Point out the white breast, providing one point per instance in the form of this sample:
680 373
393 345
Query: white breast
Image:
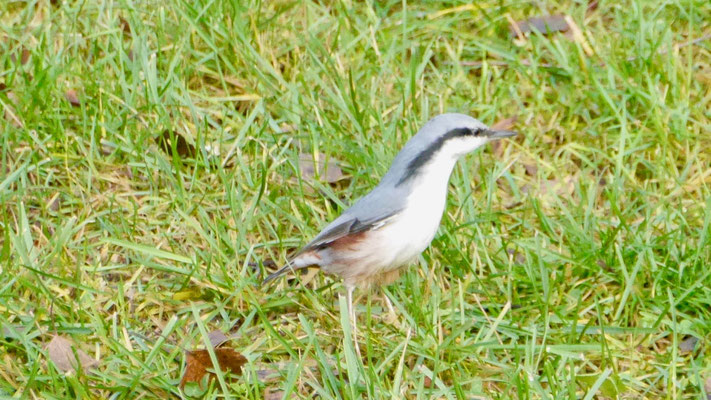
403 237
416 226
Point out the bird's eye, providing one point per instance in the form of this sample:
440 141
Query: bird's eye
475 131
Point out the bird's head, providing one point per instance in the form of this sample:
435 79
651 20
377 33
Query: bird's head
442 140
455 135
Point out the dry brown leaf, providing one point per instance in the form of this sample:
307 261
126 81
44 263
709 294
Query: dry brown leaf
546 24
330 172
560 187
268 375
531 169
61 352
688 345
550 187
563 188
427 382
24 56
217 338
504 124
198 362
72 97
517 256
497 148
125 26
54 202
182 146
275 395
13 332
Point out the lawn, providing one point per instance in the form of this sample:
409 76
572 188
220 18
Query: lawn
152 171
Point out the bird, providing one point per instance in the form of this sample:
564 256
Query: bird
387 229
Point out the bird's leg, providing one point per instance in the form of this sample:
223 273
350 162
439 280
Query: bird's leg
392 315
352 317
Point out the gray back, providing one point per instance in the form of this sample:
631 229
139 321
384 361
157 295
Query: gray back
389 197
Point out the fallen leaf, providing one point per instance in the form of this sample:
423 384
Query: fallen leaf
707 387
551 187
268 375
504 124
531 169
513 205
182 146
53 203
427 382
497 148
562 188
106 147
275 395
546 25
62 353
125 26
592 6
13 332
689 344
517 256
217 338
198 361
330 171
24 56
72 98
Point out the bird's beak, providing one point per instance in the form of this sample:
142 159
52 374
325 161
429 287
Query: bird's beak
494 135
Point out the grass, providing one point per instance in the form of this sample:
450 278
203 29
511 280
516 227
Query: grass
572 261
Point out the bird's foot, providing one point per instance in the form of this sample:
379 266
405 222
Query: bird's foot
391 317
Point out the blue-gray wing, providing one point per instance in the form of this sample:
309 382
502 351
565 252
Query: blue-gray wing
372 211
346 225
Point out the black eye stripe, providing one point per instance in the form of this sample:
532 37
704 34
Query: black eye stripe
426 155
458 132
